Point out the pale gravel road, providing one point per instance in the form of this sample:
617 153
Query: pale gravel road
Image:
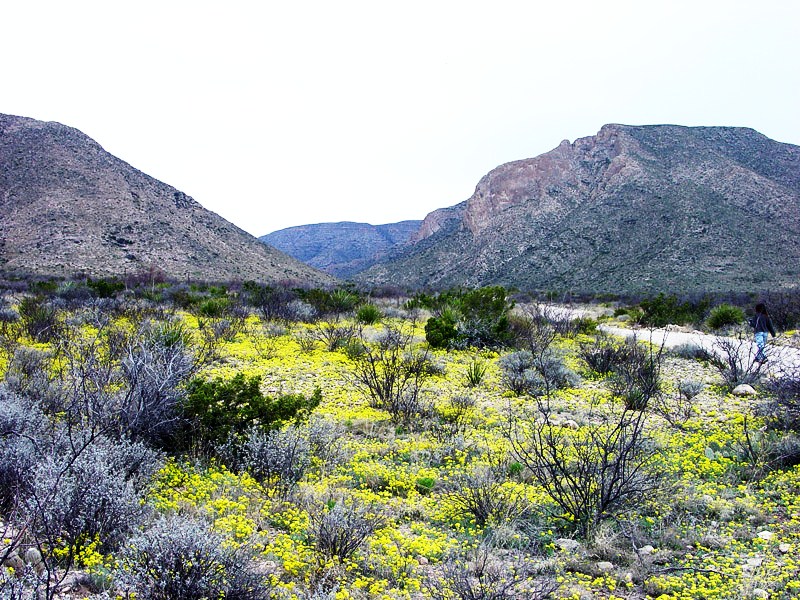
781 359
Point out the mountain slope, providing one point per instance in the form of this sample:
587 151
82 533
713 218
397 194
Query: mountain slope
341 249
70 207
631 209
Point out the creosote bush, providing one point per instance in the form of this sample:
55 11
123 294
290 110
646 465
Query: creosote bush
390 371
604 354
482 493
783 410
39 319
637 378
734 359
220 410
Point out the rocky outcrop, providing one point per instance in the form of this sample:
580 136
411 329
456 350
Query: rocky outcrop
70 208
438 220
631 209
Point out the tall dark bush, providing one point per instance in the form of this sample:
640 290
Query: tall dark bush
221 409
472 318
663 310
39 319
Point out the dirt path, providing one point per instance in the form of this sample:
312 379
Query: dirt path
780 359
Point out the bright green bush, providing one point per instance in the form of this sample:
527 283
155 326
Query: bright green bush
213 307
440 332
105 288
369 314
663 310
221 411
724 315
473 318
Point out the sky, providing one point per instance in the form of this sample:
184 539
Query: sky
276 114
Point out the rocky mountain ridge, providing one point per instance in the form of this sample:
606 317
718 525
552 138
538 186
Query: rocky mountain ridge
341 249
69 207
631 209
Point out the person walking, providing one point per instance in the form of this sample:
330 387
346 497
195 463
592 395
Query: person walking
761 324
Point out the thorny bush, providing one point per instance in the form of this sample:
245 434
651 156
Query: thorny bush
591 473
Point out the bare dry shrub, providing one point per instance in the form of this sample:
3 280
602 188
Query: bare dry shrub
592 473
481 574
341 527
734 359
390 371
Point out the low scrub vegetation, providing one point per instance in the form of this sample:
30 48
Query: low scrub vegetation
198 441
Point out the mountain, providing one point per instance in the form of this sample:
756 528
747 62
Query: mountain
69 207
637 209
341 249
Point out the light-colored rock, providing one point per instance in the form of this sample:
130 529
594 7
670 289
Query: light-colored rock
15 562
744 390
422 560
34 558
784 548
755 561
646 550
605 566
567 544
766 535
760 593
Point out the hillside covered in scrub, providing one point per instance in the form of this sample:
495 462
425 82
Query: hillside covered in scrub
341 249
70 208
632 209
196 442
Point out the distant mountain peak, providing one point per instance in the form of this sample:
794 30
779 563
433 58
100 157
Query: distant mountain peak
343 248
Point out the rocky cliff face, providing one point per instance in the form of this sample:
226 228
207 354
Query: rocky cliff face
639 209
69 207
341 249
442 218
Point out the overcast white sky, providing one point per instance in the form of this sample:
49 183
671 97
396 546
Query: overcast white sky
276 114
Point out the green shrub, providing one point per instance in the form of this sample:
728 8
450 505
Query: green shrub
475 372
213 307
440 332
221 411
477 318
330 302
724 315
585 325
369 314
663 310
105 288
